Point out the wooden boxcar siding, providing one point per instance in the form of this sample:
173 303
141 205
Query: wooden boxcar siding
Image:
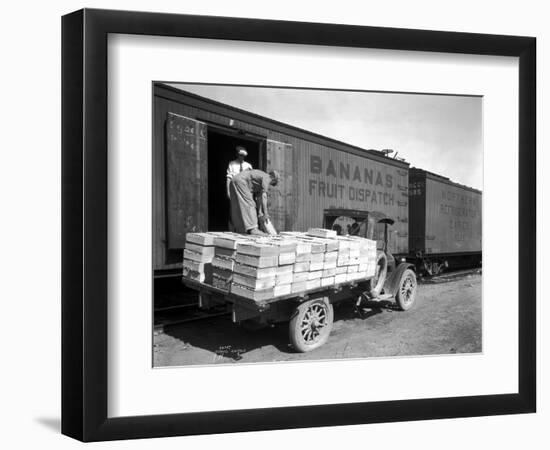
331 178
302 209
452 218
163 257
417 214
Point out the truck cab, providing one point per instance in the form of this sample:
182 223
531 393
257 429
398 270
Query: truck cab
394 278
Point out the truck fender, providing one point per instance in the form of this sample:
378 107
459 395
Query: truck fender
392 281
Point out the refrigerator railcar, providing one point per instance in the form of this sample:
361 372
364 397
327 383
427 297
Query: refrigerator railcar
445 222
194 139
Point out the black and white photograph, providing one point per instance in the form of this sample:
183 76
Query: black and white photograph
275 225
294 224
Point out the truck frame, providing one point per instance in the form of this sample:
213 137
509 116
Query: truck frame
310 313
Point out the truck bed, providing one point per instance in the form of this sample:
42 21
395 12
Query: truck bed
233 298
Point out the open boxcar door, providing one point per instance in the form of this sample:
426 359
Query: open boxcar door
281 197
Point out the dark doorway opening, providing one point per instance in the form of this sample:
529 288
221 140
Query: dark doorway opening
221 150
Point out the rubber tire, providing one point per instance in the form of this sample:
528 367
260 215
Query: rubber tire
374 291
295 335
401 302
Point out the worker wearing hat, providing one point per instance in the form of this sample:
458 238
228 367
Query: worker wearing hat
237 166
242 189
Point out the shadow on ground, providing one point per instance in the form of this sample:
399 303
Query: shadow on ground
229 340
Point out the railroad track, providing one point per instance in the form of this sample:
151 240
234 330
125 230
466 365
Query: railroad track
178 314
449 276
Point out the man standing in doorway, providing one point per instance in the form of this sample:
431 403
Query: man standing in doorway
237 166
244 209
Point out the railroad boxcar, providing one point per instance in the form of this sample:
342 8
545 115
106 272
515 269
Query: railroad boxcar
322 179
445 222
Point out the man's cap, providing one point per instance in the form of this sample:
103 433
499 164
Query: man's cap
241 151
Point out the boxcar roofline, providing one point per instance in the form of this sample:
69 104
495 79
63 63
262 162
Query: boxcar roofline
415 171
180 96
232 131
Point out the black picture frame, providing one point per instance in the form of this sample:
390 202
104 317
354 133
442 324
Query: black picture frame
84 224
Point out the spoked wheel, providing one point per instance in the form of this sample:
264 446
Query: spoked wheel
311 324
406 293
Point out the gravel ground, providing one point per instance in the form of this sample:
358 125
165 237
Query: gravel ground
445 319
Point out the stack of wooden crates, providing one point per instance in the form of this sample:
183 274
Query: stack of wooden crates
261 268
